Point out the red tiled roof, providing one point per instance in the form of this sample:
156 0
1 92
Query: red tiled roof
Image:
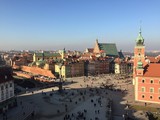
90 50
153 59
152 70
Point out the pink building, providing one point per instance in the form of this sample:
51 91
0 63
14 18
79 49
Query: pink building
146 75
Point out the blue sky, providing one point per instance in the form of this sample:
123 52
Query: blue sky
76 24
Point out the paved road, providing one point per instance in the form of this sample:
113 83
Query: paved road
48 104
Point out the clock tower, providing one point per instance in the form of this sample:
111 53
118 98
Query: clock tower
139 54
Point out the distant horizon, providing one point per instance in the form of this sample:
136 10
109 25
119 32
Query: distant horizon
75 25
54 50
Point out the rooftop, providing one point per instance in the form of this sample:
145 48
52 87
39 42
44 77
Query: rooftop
152 70
109 48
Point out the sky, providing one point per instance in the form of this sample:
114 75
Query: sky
76 24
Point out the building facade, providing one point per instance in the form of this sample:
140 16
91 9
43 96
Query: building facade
122 66
7 97
146 75
70 69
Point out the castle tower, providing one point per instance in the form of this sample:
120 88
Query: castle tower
139 54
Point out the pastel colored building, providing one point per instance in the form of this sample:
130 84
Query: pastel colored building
122 66
7 97
70 69
95 67
146 75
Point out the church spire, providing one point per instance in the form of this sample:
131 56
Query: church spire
140 39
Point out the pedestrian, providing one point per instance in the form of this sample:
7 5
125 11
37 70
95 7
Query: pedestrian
145 104
98 112
95 111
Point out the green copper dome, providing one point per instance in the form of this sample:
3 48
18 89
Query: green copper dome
140 39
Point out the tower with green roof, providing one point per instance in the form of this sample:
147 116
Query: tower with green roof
140 39
139 54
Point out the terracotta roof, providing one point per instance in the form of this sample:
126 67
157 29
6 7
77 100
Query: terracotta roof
90 50
153 59
152 70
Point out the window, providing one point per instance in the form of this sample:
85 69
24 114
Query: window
2 97
151 90
159 98
143 89
151 97
6 85
11 93
143 96
2 88
151 81
143 81
10 84
6 95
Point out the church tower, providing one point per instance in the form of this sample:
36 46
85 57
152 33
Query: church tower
139 55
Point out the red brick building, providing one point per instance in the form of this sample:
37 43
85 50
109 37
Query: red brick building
146 75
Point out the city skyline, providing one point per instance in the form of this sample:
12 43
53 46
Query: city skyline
75 25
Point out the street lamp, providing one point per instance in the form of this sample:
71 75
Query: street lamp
60 77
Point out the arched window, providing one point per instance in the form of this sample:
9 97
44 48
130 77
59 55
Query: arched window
151 81
143 81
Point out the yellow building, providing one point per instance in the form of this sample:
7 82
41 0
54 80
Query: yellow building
63 70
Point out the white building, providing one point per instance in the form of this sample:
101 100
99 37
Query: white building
7 97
